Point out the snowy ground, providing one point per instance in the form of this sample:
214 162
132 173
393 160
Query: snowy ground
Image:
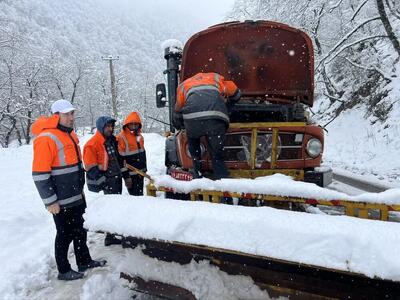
357 142
337 242
26 239
27 232
353 144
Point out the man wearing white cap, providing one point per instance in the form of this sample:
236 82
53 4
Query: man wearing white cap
59 178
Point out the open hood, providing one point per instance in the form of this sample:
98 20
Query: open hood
266 60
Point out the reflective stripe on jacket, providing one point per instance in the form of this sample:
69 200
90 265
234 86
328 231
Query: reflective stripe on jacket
57 168
202 97
131 144
95 158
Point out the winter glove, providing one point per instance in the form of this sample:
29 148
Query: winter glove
232 100
128 183
54 208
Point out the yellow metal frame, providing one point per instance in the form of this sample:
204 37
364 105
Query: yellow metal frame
274 127
267 125
297 174
353 209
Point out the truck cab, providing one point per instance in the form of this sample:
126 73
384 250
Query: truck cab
270 131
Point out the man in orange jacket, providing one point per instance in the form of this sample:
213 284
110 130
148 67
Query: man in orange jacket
202 103
131 148
103 164
59 178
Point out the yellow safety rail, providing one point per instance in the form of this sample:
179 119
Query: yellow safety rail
362 210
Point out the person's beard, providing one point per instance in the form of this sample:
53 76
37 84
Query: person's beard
108 133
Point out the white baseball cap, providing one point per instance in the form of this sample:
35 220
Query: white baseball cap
62 106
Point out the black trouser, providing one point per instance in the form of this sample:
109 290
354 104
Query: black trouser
69 225
214 131
113 185
137 185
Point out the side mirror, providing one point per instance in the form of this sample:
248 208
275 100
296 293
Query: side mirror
161 95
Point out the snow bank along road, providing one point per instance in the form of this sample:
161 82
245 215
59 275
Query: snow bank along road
27 232
342 243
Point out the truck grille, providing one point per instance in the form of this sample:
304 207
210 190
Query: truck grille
238 147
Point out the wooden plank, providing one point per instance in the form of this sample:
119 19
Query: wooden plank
384 214
158 288
299 281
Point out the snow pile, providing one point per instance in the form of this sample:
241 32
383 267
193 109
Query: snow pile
27 231
277 185
205 281
104 287
342 243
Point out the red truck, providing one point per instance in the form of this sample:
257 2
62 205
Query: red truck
270 131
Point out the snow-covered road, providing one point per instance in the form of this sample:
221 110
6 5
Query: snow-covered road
27 232
26 246
26 242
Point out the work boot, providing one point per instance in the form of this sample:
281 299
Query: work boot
195 174
111 239
92 264
196 170
70 275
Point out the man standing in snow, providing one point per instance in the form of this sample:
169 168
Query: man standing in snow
201 101
131 148
59 177
103 164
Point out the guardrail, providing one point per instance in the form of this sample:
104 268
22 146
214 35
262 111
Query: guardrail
362 210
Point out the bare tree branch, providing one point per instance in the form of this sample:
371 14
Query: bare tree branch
353 44
376 69
345 38
392 7
336 5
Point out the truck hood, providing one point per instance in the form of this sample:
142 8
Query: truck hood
266 60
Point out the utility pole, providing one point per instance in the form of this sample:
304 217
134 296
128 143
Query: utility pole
110 58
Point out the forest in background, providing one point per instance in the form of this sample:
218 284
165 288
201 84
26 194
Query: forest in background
52 49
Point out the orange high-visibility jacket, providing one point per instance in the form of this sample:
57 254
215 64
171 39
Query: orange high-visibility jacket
131 144
95 154
57 167
96 160
201 82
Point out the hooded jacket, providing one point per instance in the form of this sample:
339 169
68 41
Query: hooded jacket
96 158
131 143
57 165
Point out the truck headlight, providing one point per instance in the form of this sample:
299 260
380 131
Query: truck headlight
314 147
